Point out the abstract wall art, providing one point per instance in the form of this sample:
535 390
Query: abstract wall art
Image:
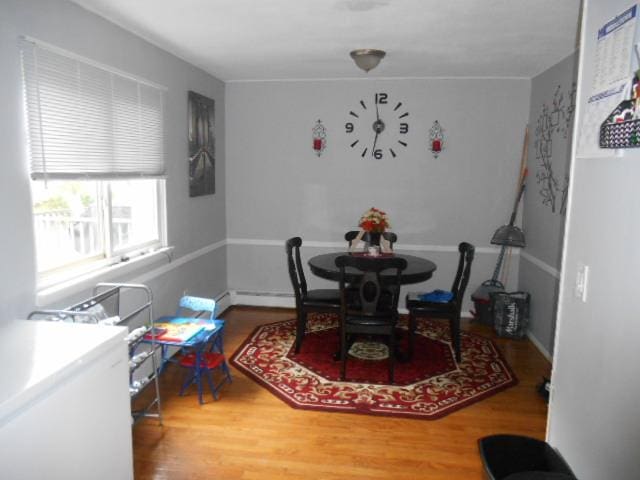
202 142
555 120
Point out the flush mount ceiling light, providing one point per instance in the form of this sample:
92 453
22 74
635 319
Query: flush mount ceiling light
367 58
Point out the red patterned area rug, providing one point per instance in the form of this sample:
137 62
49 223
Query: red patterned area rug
430 386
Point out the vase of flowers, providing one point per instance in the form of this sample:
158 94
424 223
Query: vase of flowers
374 222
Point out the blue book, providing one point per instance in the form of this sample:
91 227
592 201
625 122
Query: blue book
437 296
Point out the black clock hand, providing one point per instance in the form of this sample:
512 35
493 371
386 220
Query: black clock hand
375 140
377 129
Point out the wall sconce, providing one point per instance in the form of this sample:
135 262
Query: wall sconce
436 139
319 136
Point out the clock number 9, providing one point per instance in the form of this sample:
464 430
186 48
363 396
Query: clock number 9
381 98
377 154
349 127
404 127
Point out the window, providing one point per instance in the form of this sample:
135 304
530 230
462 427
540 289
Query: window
96 161
78 222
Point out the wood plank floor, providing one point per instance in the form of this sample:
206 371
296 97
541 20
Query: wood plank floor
250 434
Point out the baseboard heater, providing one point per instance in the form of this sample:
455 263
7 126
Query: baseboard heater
263 299
264 294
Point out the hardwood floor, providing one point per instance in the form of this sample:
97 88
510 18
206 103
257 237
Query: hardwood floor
250 434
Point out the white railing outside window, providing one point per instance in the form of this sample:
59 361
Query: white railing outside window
63 238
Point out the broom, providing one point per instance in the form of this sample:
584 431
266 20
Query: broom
522 177
482 294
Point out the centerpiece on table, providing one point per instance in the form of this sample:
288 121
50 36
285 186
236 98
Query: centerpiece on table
374 222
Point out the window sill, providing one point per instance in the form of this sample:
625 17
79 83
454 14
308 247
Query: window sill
64 289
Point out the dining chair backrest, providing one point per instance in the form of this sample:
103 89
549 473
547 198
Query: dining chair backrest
463 273
373 297
296 273
197 304
351 235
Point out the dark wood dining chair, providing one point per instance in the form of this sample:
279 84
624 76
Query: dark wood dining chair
372 307
388 236
449 310
307 301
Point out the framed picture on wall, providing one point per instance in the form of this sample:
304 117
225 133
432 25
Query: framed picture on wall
202 142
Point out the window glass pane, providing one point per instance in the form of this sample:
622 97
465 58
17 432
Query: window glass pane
66 222
134 213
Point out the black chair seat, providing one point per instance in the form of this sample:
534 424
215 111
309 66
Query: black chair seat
449 310
413 302
323 295
369 321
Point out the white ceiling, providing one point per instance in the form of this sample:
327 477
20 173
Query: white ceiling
311 39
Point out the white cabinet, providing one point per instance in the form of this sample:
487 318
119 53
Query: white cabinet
64 401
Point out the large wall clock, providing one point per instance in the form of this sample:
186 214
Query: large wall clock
377 127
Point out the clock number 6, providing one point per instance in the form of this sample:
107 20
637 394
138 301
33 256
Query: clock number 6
404 127
349 127
377 154
381 98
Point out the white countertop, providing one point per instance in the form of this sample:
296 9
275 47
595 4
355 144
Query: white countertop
36 355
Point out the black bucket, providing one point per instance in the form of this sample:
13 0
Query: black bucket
516 457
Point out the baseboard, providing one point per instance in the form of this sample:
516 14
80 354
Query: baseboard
545 353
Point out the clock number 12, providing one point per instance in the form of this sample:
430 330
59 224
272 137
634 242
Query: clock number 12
381 98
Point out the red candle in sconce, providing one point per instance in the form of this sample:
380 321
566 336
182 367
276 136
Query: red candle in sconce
436 145
317 144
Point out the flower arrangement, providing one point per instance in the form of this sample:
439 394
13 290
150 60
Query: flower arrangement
374 220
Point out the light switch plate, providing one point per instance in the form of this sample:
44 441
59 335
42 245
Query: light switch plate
582 282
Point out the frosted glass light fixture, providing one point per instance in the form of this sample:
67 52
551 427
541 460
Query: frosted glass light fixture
367 58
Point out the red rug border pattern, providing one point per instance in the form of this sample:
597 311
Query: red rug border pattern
350 410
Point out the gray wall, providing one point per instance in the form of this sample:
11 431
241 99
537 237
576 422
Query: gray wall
193 224
594 417
279 188
550 128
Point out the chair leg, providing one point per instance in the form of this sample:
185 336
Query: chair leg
392 355
301 327
412 334
187 382
199 376
164 359
227 372
454 324
343 354
212 385
215 346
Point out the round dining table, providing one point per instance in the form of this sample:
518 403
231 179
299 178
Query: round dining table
418 269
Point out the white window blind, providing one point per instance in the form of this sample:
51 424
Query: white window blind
88 121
